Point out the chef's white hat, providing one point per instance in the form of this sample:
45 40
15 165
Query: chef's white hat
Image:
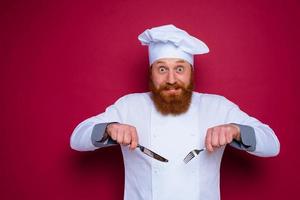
169 41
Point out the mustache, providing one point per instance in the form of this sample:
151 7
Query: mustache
168 86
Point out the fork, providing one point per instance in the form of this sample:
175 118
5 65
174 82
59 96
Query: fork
192 154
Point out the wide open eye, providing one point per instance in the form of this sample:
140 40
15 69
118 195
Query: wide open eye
162 69
180 69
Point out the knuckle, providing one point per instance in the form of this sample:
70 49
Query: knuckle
126 139
229 129
120 141
113 126
214 143
113 133
208 137
215 134
134 132
222 142
133 129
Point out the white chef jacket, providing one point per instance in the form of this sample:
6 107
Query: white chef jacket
173 137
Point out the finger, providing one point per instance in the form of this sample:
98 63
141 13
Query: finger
120 136
113 133
127 137
236 132
229 138
215 137
208 140
134 138
222 136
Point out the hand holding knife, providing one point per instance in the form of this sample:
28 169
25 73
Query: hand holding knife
126 135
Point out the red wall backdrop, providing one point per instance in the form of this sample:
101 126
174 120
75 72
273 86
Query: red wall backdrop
64 61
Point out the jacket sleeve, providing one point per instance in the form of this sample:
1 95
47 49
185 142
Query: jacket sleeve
90 134
266 142
248 141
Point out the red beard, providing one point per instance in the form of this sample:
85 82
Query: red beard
174 104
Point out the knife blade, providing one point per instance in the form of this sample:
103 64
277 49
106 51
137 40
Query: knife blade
152 154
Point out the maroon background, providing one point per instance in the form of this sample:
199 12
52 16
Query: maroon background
64 61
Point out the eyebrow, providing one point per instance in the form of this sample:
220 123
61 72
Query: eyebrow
178 61
160 62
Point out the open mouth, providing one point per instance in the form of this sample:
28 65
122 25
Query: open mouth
172 90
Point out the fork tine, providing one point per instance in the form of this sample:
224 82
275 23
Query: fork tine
186 159
192 154
189 157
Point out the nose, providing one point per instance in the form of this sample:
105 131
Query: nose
171 79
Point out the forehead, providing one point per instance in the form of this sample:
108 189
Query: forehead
170 61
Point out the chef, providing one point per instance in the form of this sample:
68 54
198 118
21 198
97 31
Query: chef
172 120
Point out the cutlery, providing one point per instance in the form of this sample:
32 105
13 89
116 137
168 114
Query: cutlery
152 154
145 150
192 154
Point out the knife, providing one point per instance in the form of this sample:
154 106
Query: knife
143 149
152 154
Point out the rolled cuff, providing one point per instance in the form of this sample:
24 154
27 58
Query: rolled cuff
99 136
248 140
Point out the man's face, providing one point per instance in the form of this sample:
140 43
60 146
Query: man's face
171 85
170 71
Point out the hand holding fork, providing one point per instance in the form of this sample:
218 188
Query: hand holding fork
216 137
